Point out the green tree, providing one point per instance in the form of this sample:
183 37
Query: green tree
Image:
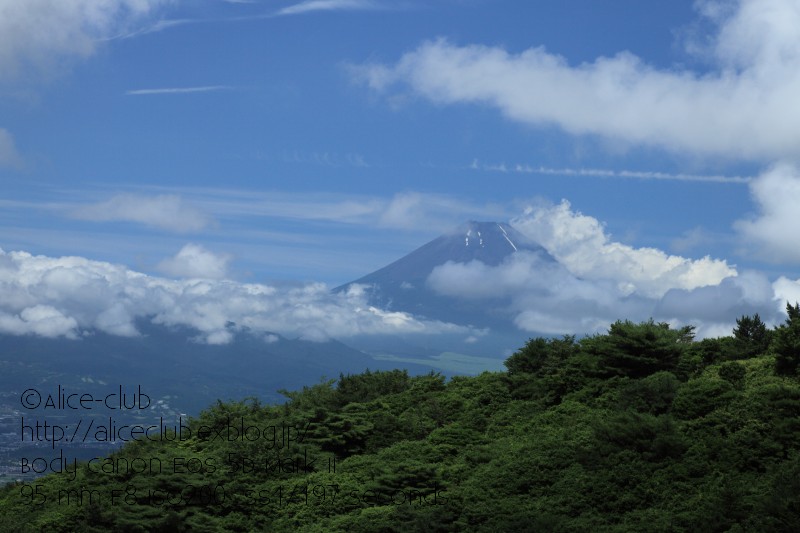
361 388
732 372
752 336
638 350
541 356
786 342
653 394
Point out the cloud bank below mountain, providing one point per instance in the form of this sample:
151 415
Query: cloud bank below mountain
68 296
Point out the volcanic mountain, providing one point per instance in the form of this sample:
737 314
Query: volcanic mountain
403 285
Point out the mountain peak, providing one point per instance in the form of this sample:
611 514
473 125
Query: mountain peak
488 242
479 234
402 285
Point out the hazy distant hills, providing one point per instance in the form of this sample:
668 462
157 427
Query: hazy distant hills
403 285
168 363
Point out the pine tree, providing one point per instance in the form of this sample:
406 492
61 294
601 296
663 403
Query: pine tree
786 342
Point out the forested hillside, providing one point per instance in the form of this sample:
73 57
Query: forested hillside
639 429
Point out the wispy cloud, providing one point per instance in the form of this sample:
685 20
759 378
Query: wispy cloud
407 210
602 173
179 90
330 159
168 212
157 26
328 5
333 237
699 238
9 156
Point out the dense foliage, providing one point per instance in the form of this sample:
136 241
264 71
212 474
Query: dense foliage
640 429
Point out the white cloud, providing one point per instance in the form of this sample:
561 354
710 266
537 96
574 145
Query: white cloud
774 232
476 280
194 261
165 211
546 298
580 243
37 36
542 295
39 320
747 293
67 295
327 5
9 156
787 290
596 281
745 107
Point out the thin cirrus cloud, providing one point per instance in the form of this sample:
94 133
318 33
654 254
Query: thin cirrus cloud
744 107
163 211
604 173
405 210
179 90
327 5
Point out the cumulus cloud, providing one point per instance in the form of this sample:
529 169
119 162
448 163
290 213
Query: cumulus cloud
749 292
40 320
787 290
595 281
477 280
194 261
745 106
580 243
774 231
37 36
545 298
9 156
542 295
65 296
164 211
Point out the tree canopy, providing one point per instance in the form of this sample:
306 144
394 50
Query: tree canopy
639 429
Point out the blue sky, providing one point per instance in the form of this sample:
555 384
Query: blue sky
275 142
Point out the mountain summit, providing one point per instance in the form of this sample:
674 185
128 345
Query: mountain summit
402 285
